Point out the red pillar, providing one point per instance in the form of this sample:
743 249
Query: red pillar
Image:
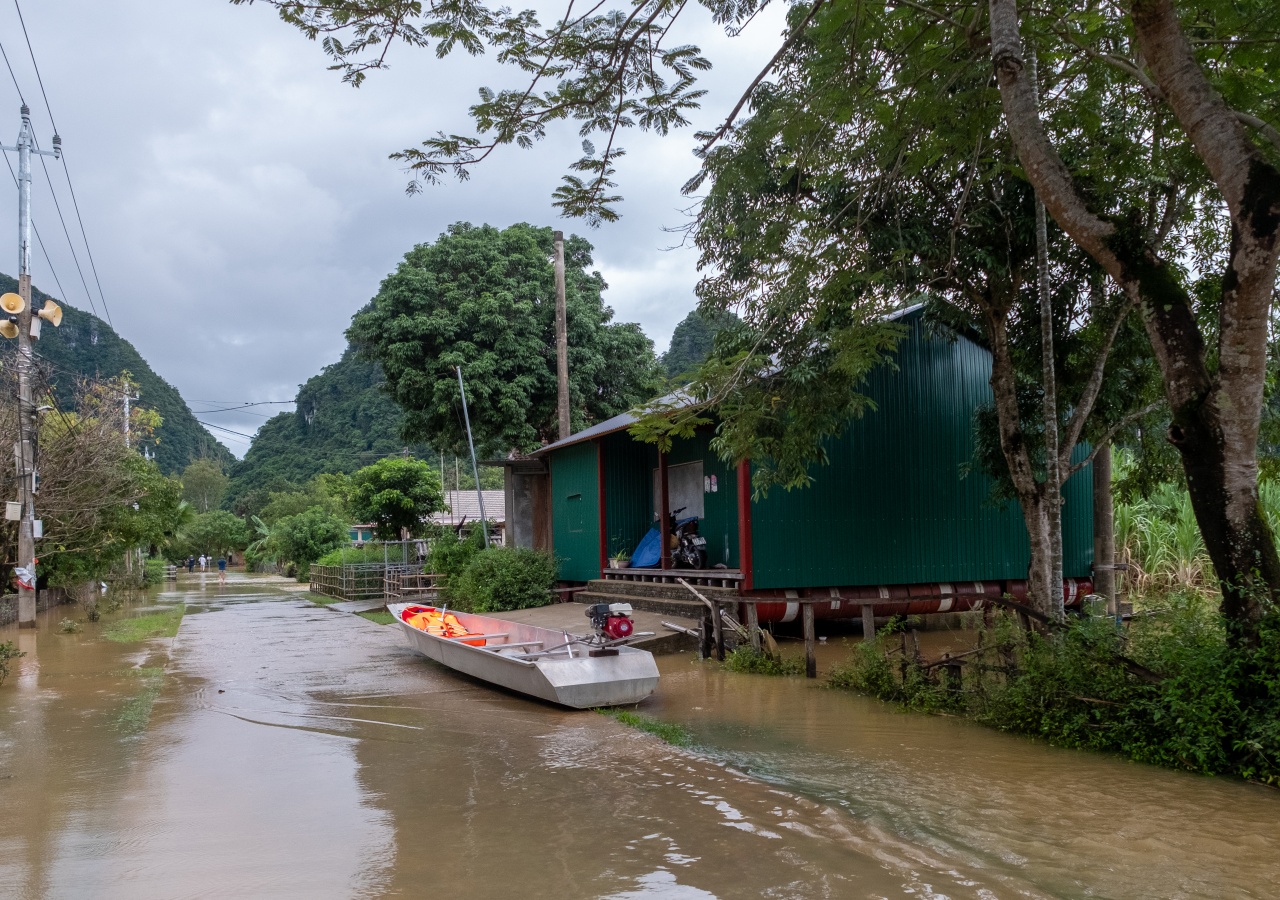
744 524
664 503
604 549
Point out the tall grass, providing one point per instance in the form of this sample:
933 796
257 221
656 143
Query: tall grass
1159 539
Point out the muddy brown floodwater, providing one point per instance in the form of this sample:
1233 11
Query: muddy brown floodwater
278 749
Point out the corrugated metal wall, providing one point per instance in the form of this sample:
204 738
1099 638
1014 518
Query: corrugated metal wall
628 508
719 524
1077 519
629 467
575 511
892 507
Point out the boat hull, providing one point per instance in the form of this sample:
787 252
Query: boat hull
578 681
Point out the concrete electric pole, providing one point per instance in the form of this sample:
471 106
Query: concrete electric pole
562 341
25 451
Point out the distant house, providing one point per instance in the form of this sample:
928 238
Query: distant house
464 507
893 517
360 534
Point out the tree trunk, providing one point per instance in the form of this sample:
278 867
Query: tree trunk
1031 493
1216 414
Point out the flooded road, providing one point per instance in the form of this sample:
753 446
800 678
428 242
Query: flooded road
274 748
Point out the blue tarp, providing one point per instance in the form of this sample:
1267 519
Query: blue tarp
648 553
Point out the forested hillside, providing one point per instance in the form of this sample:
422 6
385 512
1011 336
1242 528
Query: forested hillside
85 345
343 422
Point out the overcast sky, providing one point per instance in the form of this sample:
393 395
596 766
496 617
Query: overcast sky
238 198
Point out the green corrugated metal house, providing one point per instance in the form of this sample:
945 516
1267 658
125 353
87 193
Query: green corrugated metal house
891 508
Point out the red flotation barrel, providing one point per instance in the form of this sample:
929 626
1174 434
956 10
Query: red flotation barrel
901 599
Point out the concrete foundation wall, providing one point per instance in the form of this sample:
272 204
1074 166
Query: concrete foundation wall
49 598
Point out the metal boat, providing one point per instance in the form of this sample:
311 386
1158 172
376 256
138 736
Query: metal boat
578 671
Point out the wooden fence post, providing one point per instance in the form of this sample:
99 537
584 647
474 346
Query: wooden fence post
810 657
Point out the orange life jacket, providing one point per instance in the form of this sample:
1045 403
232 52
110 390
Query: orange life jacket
439 623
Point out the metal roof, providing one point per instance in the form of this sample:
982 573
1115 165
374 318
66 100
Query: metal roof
627 419
464 504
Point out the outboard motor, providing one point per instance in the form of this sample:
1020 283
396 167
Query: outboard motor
611 621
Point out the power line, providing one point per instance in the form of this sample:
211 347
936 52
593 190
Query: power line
66 171
227 430
11 75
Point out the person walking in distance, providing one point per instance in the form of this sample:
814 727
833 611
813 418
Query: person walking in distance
191 564
203 560
222 570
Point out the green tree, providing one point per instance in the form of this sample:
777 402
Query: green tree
204 484
304 538
395 494
484 299
214 532
327 491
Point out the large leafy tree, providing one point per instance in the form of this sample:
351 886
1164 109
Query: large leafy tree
1188 123
484 299
204 484
395 495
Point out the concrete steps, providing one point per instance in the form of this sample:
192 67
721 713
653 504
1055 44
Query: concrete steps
684 609
659 591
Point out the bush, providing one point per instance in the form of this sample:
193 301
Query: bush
504 578
153 571
450 553
369 553
7 652
1170 690
744 659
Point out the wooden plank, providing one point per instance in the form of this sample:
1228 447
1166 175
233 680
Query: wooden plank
753 626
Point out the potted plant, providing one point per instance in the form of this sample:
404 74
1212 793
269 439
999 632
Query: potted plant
619 555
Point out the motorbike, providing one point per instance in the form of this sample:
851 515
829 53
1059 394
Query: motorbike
688 547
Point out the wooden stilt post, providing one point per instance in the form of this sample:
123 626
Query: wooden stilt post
868 622
705 644
810 642
753 627
717 623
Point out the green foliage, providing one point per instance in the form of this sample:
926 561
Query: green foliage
88 346
204 484
1159 539
327 491
670 732
450 553
69 626
8 651
395 494
484 299
143 628
747 661
1168 691
136 713
212 533
153 571
504 578
378 617
369 553
304 538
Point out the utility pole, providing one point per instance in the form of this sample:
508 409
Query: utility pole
475 469
562 341
127 398
27 429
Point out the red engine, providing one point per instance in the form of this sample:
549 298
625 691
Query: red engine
611 621
618 627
